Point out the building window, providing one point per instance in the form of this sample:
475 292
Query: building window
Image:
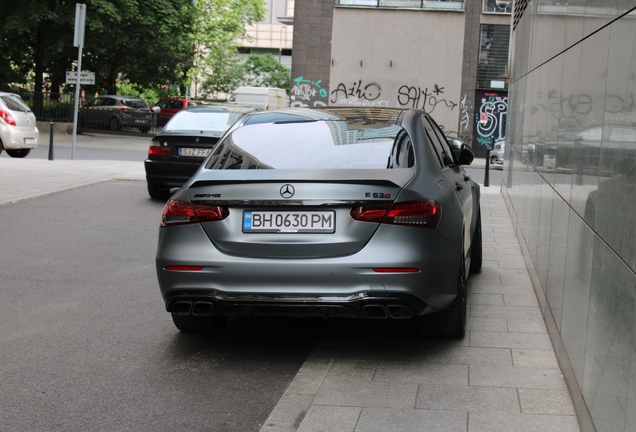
497 6
405 4
493 57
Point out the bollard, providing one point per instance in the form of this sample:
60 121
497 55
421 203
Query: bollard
52 126
487 172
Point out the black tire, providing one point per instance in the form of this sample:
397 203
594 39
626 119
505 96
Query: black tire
449 323
18 153
113 124
157 192
452 321
476 253
199 324
144 129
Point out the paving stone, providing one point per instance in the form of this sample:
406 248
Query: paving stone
392 420
542 359
521 299
516 377
491 299
425 373
367 394
503 421
486 324
352 370
467 398
505 311
542 401
534 341
330 419
526 325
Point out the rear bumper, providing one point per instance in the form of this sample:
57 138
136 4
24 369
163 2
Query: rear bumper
169 173
328 286
14 138
362 305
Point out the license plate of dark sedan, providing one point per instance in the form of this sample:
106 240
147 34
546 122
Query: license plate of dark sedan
187 151
284 222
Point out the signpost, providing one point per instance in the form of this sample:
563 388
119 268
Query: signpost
78 41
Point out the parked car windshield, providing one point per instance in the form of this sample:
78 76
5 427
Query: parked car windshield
202 120
308 144
15 103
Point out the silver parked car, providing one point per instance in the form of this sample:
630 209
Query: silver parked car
18 130
332 212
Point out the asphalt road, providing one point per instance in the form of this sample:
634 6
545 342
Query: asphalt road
86 344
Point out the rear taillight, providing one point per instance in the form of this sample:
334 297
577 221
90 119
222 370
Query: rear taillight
182 213
423 214
7 117
157 149
123 109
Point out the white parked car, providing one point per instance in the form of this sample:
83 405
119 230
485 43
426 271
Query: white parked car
18 131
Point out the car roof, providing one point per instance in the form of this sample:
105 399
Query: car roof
220 108
364 115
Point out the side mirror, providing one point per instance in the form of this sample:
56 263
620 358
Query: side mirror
466 155
155 109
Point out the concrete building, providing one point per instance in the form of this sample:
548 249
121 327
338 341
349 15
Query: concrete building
274 34
570 185
448 58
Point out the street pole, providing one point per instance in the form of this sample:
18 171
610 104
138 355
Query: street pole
78 41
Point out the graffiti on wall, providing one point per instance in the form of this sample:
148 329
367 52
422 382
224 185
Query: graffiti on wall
424 99
490 118
305 91
359 91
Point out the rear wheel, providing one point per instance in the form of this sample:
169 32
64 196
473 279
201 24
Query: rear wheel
450 323
113 124
476 248
19 153
199 324
157 192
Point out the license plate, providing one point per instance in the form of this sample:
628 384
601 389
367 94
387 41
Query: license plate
200 152
29 141
284 222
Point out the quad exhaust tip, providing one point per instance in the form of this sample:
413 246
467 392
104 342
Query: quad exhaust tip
378 311
186 307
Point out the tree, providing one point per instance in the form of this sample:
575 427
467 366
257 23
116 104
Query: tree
218 27
265 71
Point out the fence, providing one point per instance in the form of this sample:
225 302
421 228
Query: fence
58 108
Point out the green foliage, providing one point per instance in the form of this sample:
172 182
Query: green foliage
218 27
145 42
265 71
150 95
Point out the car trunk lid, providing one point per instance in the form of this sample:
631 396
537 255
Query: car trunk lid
294 213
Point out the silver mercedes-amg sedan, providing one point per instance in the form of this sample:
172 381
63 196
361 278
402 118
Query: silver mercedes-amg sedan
331 212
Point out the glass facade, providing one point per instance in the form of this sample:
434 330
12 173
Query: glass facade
570 183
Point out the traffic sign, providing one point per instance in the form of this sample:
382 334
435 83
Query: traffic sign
85 78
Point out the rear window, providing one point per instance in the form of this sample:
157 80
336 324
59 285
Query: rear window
135 103
15 103
310 144
203 120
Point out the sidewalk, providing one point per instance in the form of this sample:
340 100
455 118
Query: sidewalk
503 376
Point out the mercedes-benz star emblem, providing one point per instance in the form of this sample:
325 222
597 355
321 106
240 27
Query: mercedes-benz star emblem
287 191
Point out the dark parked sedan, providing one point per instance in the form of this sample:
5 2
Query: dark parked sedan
184 143
112 112
331 212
